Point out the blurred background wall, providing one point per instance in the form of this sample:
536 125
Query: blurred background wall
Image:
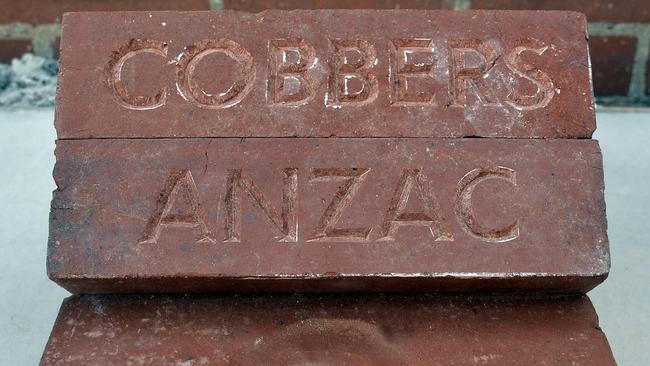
619 29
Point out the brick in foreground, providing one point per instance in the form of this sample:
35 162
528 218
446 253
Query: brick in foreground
194 215
356 330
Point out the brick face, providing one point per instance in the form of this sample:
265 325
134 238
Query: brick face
352 330
612 59
612 56
49 11
259 5
87 99
13 48
596 10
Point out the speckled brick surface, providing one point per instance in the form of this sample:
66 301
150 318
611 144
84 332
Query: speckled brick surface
397 330
325 73
328 215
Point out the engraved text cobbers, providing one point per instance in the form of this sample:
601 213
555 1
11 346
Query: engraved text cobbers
421 73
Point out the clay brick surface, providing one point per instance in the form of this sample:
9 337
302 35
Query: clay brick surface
325 73
11 48
50 11
259 5
613 11
612 59
597 11
328 215
395 330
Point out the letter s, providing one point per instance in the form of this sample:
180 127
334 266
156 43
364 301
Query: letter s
545 88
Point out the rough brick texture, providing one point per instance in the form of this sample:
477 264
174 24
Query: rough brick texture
596 10
176 215
325 73
259 5
278 331
50 11
612 62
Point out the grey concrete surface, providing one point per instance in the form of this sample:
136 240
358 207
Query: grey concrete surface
29 302
623 300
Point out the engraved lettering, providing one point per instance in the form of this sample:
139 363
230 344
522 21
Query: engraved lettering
429 217
189 88
289 83
286 225
465 212
412 63
483 57
545 89
180 193
352 179
351 83
123 54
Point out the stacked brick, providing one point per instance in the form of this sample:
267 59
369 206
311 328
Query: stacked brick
327 152
619 30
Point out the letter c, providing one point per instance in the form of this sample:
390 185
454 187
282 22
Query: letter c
119 57
464 210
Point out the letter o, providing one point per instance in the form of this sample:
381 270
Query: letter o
189 88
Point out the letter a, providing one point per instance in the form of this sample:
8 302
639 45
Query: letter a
429 217
180 194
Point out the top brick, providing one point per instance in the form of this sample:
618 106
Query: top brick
325 73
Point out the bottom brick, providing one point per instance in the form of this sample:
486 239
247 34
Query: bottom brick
300 330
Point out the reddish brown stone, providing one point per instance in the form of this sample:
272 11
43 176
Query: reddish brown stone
328 214
620 11
168 74
612 59
50 11
613 11
259 5
11 48
359 330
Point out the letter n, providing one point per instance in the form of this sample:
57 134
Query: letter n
286 224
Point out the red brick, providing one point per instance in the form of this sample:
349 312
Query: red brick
612 59
50 11
11 48
173 215
359 330
416 99
620 11
259 5
613 11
